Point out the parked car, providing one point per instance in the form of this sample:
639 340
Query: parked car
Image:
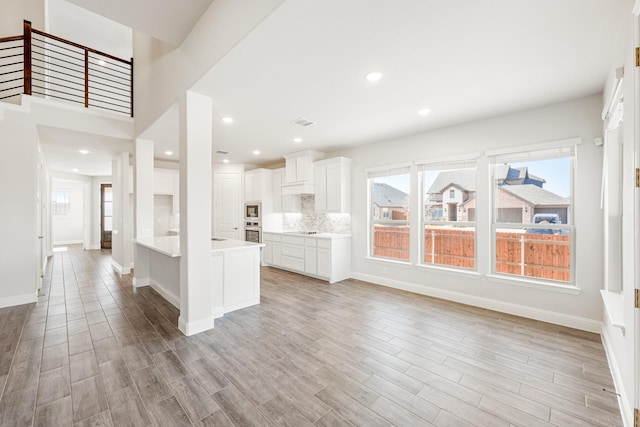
546 218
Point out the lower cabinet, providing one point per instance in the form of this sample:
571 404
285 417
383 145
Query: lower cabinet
326 258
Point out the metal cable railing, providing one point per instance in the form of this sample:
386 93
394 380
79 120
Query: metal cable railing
41 64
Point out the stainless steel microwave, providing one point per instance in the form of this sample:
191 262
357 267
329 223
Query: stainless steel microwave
252 211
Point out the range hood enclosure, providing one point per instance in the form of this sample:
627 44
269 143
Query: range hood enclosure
299 172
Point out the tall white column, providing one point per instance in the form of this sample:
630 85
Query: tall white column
143 188
196 305
121 238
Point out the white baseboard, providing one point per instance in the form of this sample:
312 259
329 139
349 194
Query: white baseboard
192 328
623 400
254 301
120 269
94 248
166 294
68 242
575 322
19 300
218 312
139 283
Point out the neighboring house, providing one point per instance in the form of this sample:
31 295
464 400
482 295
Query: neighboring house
389 202
520 196
449 191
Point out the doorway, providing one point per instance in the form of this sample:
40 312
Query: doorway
106 215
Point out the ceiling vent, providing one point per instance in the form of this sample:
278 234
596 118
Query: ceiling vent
224 153
302 122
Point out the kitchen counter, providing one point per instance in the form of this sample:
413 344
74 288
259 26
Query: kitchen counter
235 271
170 245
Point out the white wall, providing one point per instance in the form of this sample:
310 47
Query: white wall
12 16
69 229
162 208
578 118
19 262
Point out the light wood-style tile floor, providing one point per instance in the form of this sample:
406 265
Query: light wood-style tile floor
94 351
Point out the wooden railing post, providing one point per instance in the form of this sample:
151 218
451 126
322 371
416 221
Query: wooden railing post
86 78
27 57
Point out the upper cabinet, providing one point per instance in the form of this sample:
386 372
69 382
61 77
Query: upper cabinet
333 185
166 182
299 173
258 185
287 203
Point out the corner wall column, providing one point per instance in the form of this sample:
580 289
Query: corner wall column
196 305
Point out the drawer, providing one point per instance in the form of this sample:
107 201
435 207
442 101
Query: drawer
292 262
266 237
294 240
324 243
295 251
310 242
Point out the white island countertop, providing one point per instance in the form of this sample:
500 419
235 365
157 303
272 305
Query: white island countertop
170 245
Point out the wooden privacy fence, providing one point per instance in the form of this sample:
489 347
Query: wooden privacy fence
546 256
41 64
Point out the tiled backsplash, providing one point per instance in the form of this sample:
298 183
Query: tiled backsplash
310 220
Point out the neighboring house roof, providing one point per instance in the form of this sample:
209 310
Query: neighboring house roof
506 173
463 178
385 195
535 195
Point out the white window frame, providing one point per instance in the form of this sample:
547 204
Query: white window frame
544 151
460 162
372 173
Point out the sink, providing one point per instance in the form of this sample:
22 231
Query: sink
218 239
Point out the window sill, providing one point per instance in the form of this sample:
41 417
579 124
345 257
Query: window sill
390 261
448 270
536 284
614 307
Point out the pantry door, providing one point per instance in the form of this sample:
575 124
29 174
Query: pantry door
226 205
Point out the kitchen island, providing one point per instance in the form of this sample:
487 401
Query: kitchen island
235 271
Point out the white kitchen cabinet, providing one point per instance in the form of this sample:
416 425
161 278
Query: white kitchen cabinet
288 203
326 256
272 249
258 185
310 254
299 174
166 182
333 185
323 256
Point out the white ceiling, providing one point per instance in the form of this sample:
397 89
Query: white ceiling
463 59
62 147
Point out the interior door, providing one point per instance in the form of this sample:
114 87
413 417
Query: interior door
226 200
106 215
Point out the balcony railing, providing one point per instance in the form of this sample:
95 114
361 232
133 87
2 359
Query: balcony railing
40 64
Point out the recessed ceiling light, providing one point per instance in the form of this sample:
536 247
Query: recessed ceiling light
373 76
74 170
256 152
84 151
424 111
228 120
297 140
225 161
169 153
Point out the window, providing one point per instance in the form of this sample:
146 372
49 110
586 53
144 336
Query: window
60 202
532 219
389 195
448 224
